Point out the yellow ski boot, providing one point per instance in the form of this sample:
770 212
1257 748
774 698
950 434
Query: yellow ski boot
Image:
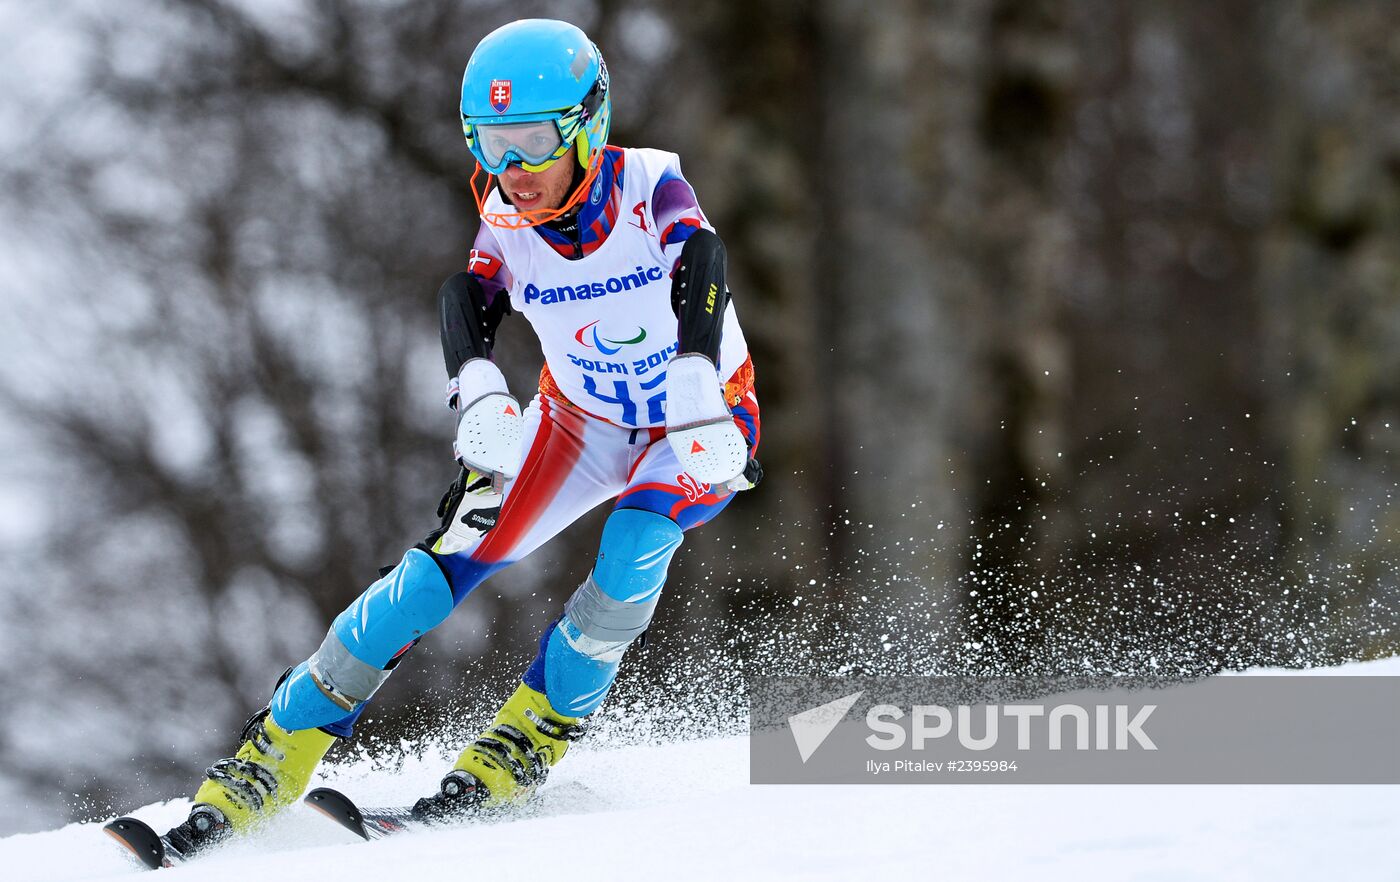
269 772
508 761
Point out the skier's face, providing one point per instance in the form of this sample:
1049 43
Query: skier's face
546 190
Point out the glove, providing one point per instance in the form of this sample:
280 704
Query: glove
748 479
489 422
699 425
468 510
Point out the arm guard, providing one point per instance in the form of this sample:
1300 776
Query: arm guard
469 320
489 423
699 295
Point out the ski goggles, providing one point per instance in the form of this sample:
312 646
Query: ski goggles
533 145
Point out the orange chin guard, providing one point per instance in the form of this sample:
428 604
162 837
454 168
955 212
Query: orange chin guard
522 220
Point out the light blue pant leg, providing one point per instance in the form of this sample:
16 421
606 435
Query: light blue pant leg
350 666
608 611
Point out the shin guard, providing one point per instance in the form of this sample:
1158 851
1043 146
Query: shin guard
609 610
363 643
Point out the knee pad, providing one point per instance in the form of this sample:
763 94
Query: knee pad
609 610
358 652
634 553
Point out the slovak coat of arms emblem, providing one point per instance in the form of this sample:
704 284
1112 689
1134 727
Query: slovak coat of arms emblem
500 95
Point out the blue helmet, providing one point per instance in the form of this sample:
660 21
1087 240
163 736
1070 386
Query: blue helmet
532 89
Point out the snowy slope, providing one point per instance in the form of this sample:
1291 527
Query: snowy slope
685 811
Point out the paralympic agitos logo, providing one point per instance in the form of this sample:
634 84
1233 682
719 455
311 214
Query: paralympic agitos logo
593 290
590 332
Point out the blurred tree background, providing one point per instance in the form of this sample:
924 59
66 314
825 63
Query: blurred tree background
1075 322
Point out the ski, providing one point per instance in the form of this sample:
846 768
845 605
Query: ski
369 823
156 852
202 830
145 844
378 822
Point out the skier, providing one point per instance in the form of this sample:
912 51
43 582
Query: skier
646 396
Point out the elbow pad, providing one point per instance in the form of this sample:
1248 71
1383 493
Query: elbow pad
490 425
699 295
699 425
